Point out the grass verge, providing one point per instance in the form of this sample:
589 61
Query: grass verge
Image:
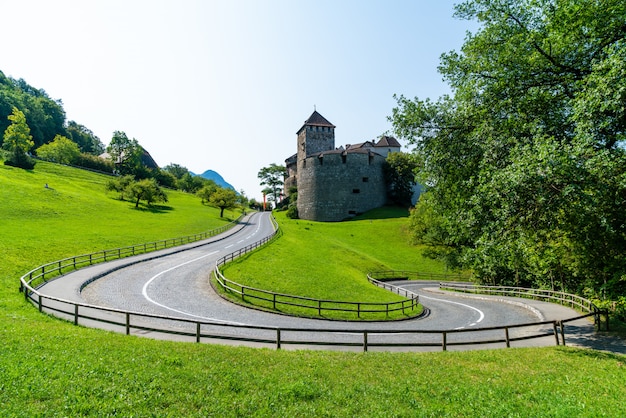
52 368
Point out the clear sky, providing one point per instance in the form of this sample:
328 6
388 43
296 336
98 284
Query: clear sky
225 84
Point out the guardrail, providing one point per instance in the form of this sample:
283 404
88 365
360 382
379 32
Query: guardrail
562 298
414 275
211 331
40 275
274 300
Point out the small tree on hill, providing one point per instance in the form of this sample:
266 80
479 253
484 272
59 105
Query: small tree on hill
148 190
61 150
18 141
224 199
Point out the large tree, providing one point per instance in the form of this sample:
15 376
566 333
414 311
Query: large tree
273 177
524 162
17 140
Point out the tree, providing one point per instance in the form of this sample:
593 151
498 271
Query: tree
148 190
206 191
524 164
223 199
399 170
125 153
18 141
61 150
274 178
86 140
176 170
120 185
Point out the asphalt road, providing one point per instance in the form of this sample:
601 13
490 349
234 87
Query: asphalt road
175 283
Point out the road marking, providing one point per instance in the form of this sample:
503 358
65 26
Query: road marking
228 246
144 292
481 315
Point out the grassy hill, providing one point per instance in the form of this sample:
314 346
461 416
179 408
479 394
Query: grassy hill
50 368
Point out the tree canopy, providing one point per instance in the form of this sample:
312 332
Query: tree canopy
18 140
524 163
273 177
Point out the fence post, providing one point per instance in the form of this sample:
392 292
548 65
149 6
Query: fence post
358 310
278 339
76 314
364 341
127 323
556 333
197 332
40 304
274 300
319 307
444 342
506 336
562 332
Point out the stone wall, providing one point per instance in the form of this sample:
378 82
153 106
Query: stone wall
338 185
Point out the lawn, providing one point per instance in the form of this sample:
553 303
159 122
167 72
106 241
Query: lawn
52 368
330 261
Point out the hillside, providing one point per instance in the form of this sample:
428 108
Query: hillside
52 368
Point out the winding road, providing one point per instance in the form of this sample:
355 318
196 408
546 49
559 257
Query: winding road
175 283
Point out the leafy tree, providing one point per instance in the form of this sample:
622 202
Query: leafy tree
120 185
61 150
189 183
273 177
524 164
176 170
399 170
146 189
125 153
18 141
86 140
224 199
206 191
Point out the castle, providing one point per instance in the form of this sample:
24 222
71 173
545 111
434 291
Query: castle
336 183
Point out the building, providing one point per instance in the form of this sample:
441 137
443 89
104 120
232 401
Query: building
336 183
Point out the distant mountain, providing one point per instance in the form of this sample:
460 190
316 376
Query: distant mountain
219 180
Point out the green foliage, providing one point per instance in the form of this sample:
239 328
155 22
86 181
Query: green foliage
45 116
207 191
86 140
273 177
94 163
126 154
61 150
399 170
18 141
524 164
148 190
50 367
223 199
120 185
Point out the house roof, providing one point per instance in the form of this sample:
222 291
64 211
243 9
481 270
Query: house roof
388 141
316 120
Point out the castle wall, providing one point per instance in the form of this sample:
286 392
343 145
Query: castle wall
337 186
314 139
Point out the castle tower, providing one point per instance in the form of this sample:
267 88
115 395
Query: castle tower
316 135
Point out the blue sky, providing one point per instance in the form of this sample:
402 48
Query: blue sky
225 85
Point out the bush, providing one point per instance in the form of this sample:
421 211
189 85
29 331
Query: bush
292 212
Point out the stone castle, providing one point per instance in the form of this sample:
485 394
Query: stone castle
336 183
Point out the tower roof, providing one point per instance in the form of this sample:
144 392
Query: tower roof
388 141
316 120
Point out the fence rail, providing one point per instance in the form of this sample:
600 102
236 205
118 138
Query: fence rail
275 299
562 298
40 275
210 331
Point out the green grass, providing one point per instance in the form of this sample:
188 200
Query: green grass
330 261
51 368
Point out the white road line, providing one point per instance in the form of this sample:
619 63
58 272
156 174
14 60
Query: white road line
481 315
144 292
228 246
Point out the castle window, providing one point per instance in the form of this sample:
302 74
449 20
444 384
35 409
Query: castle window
352 212
343 158
355 191
366 179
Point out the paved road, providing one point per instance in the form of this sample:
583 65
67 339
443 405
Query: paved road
174 283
